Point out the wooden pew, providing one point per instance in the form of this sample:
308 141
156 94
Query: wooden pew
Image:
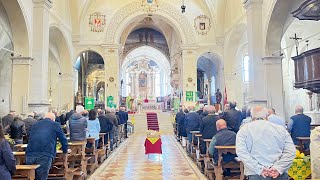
208 164
102 148
232 165
199 156
93 154
20 157
77 159
192 145
25 172
60 168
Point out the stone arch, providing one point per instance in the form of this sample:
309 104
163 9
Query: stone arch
82 50
19 26
122 17
278 21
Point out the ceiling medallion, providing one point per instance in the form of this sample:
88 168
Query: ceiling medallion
97 22
149 5
111 79
202 24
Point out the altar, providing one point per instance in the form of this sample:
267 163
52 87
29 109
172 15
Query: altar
151 107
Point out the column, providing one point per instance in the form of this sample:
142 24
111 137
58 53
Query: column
20 85
149 84
111 59
209 90
274 85
136 85
154 85
40 52
257 87
67 84
189 73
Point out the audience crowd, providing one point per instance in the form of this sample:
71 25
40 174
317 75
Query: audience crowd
264 142
41 131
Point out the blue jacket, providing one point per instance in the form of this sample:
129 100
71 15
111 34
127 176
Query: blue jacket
7 161
300 127
192 121
123 117
93 128
43 139
180 117
77 125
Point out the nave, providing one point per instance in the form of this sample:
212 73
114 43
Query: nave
130 162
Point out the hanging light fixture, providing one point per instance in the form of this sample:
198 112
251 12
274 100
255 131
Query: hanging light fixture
149 5
183 7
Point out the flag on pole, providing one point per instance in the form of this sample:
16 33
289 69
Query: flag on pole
225 96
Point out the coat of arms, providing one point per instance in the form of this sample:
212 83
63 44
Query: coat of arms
202 24
97 22
149 5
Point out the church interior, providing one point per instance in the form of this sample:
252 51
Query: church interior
156 56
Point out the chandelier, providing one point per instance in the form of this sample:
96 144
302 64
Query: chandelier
149 6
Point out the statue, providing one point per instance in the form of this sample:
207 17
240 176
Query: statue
79 96
218 96
101 94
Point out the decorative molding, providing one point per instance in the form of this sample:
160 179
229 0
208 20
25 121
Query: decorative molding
202 24
309 10
22 60
170 12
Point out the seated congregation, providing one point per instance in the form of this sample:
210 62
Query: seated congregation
66 146
253 143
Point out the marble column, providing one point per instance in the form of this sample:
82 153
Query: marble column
189 71
274 85
111 59
257 87
67 85
20 85
40 52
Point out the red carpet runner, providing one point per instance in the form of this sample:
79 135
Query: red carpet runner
152 121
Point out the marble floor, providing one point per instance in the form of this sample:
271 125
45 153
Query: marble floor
130 162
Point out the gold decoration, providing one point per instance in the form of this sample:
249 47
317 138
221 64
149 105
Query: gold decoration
149 5
111 79
202 24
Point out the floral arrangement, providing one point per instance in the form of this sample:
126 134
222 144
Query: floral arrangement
153 134
300 155
7 137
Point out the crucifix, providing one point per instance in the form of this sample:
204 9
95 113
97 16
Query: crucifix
296 39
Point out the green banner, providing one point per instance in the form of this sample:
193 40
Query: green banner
110 102
89 103
189 95
176 104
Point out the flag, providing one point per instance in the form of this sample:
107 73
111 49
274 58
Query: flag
225 96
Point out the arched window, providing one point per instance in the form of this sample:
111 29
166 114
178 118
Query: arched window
245 66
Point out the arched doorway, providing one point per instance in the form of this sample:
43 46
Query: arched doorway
90 78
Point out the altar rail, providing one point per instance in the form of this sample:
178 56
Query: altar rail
151 107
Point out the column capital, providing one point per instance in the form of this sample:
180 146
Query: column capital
189 49
272 60
46 3
248 3
22 60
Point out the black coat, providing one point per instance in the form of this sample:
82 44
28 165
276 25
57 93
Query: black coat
123 115
6 122
208 126
17 129
192 121
180 124
105 124
7 160
233 119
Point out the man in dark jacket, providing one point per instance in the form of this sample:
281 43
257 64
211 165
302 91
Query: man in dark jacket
123 115
208 127
7 160
7 120
192 123
179 118
69 114
232 117
299 126
105 125
205 112
42 145
63 118
17 130
78 125
113 133
200 111
29 122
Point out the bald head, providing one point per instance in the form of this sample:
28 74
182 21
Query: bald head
211 109
259 112
299 109
50 116
221 124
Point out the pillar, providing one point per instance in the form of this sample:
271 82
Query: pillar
68 95
40 52
111 61
257 86
20 86
209 90
189 73
274 85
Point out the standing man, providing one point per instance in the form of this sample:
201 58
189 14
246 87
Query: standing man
299 126
272 117
192 123
78 125
7 120
265 148
232 117
42 144
123 115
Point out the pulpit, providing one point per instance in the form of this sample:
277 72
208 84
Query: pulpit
307 70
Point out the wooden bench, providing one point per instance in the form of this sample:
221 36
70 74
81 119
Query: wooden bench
218 169
93 154
208 164
102 148
77 159
60 168
25 172
193 146
199 156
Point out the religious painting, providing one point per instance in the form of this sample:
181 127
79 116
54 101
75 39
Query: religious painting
202 24
97 22
100 91
142 79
